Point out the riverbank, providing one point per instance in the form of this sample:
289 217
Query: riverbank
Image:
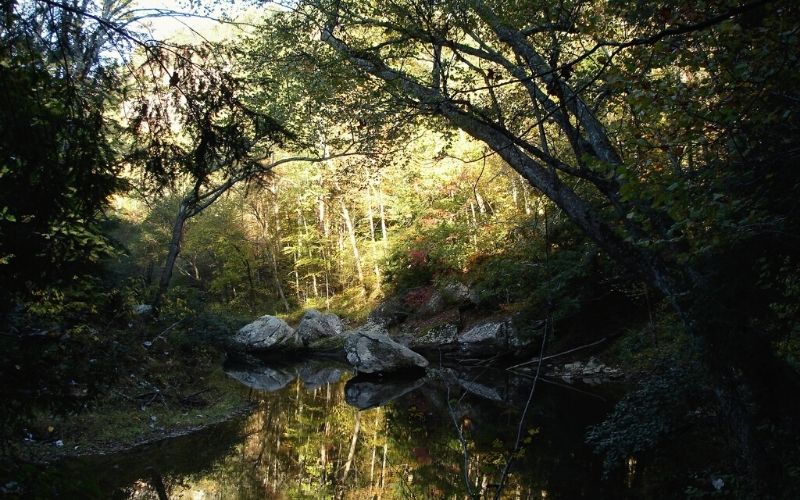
122 423
96 388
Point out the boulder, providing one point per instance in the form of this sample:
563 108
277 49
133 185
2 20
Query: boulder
316 325
489 336
267 333
370 350
438 336
263 378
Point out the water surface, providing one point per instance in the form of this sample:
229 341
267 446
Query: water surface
317 431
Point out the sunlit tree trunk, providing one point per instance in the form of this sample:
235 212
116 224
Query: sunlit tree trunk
371 220
274 248
277 279
514 192
351 233
384 233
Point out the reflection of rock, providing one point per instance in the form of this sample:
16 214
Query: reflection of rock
263 378
487 388
267 333
315 375
315 325
365 394
370 350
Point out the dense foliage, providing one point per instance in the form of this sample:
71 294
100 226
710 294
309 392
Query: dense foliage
56 160
630 166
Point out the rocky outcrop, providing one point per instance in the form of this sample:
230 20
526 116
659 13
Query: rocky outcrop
432 333
425 301
370 350
267 333
438 336
316 325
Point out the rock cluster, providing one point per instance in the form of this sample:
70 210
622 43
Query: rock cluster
424 319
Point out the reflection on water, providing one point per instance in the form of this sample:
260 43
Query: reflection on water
317 432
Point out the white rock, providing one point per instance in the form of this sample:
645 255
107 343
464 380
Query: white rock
267 333
370 350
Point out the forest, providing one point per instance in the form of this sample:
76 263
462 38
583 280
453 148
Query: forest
528 249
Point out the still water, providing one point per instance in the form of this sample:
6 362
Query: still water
316 431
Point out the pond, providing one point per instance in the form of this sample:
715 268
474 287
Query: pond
316 431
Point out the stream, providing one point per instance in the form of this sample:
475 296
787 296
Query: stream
316 431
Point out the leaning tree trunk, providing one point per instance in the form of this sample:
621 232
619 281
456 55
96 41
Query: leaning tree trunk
172 254
744 365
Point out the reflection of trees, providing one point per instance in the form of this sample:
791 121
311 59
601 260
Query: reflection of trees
303 443
552 460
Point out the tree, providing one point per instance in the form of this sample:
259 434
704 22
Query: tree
194 130
56 157
604 108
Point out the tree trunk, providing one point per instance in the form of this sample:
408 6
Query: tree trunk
737 373
351 233
172 254
371 217
384 234
277 279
